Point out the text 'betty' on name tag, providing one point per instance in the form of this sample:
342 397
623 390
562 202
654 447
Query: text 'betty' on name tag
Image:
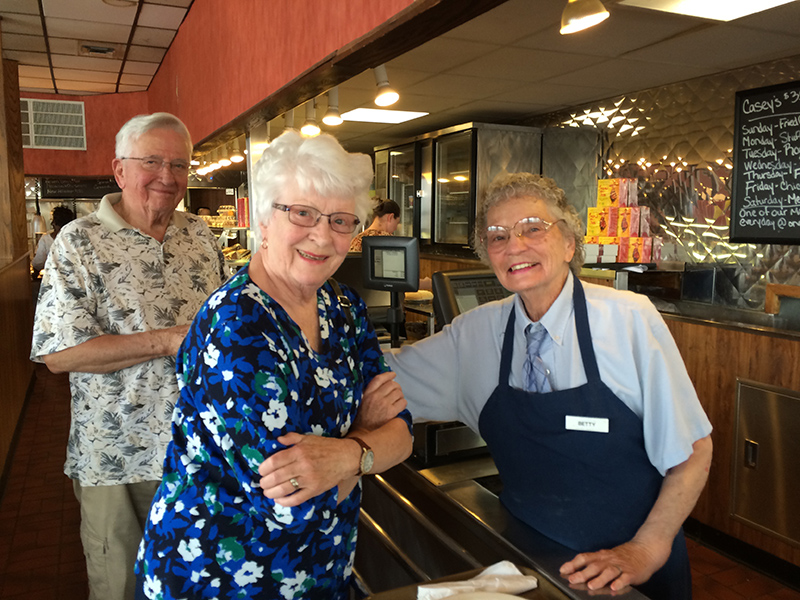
596 424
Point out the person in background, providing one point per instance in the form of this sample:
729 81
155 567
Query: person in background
385 219
261 488
204 211
580 393
119 290
61 216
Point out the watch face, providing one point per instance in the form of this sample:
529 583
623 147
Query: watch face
367 460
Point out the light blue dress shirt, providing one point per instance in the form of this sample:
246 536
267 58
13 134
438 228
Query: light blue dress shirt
451 375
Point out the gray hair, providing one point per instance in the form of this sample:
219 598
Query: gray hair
141 124
517 185
317 164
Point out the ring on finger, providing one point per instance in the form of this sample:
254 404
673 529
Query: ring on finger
618 568
294 483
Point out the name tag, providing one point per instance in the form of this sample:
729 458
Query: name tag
596 424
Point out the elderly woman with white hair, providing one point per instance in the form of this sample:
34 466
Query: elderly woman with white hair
261 493
580 394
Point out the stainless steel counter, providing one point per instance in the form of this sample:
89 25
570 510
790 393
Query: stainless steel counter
434 522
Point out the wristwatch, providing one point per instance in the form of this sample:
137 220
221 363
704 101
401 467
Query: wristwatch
367 457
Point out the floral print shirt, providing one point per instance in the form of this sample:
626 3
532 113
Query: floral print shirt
103 276
247 376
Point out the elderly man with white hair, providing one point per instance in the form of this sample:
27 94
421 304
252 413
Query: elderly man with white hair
119 290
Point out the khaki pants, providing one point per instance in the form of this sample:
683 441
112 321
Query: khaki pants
112 522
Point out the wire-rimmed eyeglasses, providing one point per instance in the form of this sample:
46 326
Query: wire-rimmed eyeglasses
496 237
154 164
308 216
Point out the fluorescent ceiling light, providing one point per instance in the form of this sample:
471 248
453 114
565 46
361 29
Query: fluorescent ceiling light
719 10
376 115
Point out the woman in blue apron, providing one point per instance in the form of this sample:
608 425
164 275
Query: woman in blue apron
576 455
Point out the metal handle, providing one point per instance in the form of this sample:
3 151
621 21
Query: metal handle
750 454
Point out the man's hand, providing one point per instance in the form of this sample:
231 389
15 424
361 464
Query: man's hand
383 400
631 563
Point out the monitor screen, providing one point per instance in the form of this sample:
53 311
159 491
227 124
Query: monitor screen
456 292
391 263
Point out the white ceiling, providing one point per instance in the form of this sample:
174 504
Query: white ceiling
504 66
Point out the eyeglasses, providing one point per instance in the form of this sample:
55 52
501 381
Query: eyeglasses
308 216
154 164
533 229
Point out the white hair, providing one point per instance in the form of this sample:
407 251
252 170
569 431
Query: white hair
141 124
318 164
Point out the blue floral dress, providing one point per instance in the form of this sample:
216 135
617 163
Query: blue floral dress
247 375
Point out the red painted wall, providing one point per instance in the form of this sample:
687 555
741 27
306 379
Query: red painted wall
227 56
104 114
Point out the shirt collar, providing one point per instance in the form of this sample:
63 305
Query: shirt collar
556 318
111 219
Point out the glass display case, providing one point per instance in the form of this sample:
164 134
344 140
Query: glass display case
436 178
402 186
454 181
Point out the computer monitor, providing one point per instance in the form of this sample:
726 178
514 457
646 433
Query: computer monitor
456 292
391 263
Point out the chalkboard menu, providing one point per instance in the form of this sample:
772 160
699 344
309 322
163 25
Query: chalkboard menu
76 187
765 194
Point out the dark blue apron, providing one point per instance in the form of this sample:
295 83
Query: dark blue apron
586 490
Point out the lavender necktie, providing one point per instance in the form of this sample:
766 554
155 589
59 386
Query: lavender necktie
537 373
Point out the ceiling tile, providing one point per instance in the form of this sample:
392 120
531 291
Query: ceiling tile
87 86
88 30
140 68
30 43
95 11
511 21
86 62
146 54
31 72
30 7
136 80
720 47
521 64
461 86
22 24
556 95
184 3
84 75
64 45
35 82
148 36
38 59
781 19
132 88
161 17
442 54
624 76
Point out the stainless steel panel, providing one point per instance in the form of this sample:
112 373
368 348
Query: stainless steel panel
766 461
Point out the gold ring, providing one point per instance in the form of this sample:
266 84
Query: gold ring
296 485
618 569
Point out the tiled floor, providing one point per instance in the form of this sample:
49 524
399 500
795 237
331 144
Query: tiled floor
40 549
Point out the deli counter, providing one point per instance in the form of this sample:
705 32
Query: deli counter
434 516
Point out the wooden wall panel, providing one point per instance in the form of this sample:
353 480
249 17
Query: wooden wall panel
16 326
715 357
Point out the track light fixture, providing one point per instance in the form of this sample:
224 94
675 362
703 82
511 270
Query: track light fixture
582 14
386 95
310 127
288 119
236 155
332 117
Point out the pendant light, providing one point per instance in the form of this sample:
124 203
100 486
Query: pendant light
582 14
236 155
332 116
310 127
386 95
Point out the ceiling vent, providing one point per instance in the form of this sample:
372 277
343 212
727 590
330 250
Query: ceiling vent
99 50
54 124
